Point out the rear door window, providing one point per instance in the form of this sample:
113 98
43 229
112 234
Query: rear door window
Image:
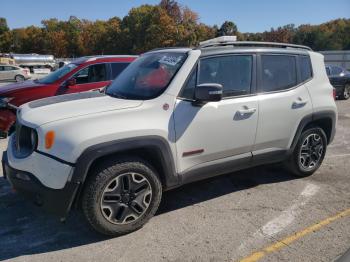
278 72
117 68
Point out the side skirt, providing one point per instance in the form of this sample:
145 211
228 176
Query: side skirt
231 164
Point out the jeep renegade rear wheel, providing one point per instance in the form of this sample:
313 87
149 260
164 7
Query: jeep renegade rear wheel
121 196
309 152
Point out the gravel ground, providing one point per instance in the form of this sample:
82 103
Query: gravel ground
222 219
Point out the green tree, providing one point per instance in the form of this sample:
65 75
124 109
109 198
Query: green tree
147 27
151 26
3 26
227 28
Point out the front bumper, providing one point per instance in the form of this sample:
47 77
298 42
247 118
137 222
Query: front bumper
55 201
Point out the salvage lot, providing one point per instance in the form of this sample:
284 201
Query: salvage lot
227 218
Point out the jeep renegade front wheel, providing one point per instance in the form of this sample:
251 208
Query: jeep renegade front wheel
121 196
308 153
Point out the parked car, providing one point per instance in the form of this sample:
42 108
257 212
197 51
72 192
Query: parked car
172 117
87 73
340 79
12 72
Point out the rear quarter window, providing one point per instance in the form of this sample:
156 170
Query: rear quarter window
305 68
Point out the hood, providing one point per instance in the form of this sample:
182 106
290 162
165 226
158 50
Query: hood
56 108
17 86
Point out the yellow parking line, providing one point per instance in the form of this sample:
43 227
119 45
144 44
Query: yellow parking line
290 239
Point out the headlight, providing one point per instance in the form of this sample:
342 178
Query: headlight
26 140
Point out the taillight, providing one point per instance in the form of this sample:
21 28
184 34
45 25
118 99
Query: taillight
26 71
334 93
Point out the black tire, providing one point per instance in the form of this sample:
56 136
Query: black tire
19 78
296 164
345 92
95 190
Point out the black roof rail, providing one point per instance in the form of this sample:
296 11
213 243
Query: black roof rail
254 43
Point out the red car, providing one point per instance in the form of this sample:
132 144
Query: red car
83 74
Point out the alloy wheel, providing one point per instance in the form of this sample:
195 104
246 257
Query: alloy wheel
126 198
311 152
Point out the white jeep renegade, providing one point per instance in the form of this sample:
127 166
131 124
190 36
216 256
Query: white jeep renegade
172 117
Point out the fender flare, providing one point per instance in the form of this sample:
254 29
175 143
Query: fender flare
161 145
328 114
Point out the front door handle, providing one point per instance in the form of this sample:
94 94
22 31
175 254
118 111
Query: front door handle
299 103
247 111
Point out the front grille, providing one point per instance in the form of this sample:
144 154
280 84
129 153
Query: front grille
25 140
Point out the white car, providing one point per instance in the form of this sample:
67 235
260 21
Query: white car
172 117
11 72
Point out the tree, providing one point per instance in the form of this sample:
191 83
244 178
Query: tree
5 36
151 26
3 26
227 28
173 9
147 27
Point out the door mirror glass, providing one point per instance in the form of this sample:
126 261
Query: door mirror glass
208 92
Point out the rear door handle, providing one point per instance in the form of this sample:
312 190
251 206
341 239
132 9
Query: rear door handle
247 111
299 103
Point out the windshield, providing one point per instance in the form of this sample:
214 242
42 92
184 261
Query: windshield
54 76
147 77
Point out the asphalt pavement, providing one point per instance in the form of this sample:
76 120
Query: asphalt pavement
260 214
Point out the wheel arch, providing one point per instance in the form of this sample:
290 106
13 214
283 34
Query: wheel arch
19 75
323 119
153 149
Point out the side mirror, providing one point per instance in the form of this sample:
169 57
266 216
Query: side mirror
209 92
71 82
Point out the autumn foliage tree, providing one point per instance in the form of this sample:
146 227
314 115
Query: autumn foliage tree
152 26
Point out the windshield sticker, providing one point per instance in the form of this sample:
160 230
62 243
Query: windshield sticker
170 60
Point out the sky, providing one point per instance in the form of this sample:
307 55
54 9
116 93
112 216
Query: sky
248 15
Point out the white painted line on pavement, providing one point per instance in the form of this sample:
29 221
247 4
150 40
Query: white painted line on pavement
340 155
287 217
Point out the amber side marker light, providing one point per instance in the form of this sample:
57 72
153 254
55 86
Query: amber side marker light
49 139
